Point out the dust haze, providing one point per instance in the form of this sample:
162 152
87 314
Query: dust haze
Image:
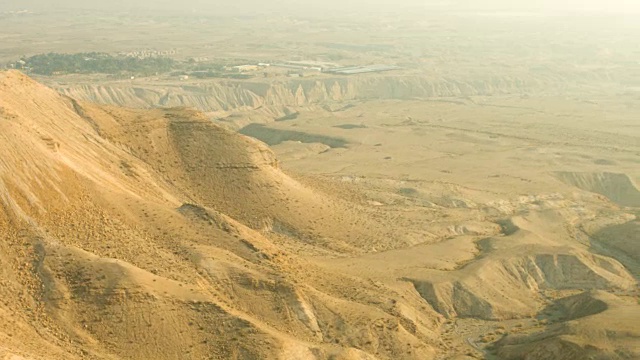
327 8
319 180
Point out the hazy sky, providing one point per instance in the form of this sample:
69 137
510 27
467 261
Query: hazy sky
329 6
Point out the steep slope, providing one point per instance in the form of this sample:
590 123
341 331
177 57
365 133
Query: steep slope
148 234
619 188
237 175
505 282
610 327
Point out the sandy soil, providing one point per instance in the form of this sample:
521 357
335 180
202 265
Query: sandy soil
479 203
425 234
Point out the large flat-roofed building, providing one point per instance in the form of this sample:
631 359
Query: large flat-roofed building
351 70
245 68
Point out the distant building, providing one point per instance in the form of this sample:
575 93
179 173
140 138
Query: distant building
309 64
183 77
245 68
351 70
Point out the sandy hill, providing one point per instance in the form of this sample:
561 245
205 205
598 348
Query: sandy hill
149 235
594 325
156 234
535 254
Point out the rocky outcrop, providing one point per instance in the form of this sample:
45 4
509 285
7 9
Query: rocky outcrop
237 95
595 325
618 188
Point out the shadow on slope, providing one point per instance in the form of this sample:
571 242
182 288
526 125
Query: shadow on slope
124 235
619 188
276 136
504 282
596 325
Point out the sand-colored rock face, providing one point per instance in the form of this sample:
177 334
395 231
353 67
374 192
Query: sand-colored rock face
619 188
229 95
607 321
513 269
